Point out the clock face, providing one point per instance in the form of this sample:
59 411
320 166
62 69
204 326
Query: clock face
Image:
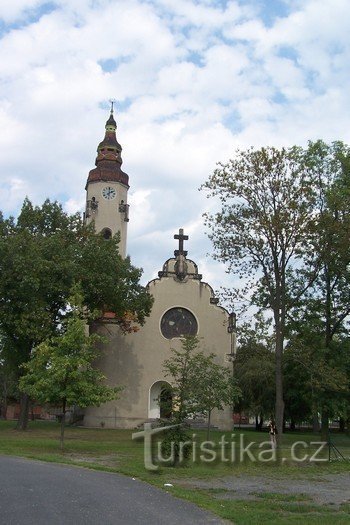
178 322
109 193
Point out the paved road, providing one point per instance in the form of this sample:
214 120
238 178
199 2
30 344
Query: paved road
37 493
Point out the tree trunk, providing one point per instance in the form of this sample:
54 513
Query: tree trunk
347 430
3 409
328 339
208 425
314 408
315 423
341 424
3 406
279 318
325 424
279 407
22 422
63 423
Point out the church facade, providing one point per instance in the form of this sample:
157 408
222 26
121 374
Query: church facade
183 305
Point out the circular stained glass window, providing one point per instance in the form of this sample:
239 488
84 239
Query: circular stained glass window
178 322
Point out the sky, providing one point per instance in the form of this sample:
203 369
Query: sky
193 81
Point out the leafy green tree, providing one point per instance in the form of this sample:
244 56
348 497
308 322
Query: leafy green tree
36 273
181 368
320 321
198 386
61 372
42 255
263 232
253 368
317 380
215 387
299 395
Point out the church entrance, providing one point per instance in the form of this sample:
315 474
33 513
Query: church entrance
160 400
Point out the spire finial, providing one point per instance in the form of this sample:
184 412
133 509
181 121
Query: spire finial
112 101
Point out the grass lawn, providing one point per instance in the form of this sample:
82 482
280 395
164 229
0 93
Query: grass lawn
115 451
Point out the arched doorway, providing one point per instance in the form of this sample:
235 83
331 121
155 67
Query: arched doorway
160 400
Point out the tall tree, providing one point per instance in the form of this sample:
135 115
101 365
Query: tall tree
320 321
263 230
61 372
42 255
36 255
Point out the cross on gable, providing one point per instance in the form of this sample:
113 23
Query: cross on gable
181 238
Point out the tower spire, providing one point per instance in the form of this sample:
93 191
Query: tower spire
109 160
107 188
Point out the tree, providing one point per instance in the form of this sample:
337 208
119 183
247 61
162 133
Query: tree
300 402
180 368
253 368
42 255
198 386
215 387
36 272
316 380
263 229
61 372
329 299
319 322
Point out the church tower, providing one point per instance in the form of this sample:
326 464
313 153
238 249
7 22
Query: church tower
183 305
107 189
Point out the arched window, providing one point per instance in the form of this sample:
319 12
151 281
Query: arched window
106 233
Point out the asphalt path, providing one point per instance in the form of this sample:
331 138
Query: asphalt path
38 493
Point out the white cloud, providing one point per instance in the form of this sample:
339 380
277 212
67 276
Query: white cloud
12 10
194 81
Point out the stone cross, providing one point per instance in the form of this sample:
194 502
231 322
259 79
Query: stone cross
181 237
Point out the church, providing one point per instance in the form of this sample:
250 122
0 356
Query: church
183 305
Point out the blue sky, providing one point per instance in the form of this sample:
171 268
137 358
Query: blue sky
194 81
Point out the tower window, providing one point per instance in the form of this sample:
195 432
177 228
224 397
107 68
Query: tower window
106 233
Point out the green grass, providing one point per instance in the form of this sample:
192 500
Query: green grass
276 496
115 451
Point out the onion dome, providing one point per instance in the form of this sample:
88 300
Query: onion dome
108 161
